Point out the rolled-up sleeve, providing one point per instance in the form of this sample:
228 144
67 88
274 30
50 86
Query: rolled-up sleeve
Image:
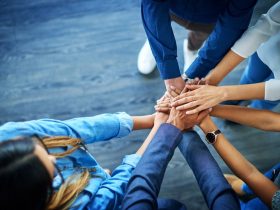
90 129
266 26
230 26
272 88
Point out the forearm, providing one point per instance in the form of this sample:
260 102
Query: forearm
143 122
147 141
144 185
226 65
217 192
243 92
261 119
262 186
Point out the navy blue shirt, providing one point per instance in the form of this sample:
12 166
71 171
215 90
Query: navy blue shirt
232 17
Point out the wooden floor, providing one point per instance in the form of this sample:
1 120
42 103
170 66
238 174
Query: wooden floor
64 59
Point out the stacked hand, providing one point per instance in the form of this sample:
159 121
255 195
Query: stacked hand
179 118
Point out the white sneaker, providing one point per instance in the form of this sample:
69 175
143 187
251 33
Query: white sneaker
146 61
189 56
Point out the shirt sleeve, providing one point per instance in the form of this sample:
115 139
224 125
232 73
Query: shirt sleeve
267 25
217 193
144 186
90 129
157 24
111 192
231 24
272 88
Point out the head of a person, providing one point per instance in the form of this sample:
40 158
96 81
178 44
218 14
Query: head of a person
26 173
26 176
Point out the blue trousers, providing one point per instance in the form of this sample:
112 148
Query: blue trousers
255 72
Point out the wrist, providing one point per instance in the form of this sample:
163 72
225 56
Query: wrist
177 82
224 93
175 123
207 125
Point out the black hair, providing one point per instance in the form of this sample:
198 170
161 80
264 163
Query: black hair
25 182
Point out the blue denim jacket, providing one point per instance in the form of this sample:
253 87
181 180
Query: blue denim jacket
103 191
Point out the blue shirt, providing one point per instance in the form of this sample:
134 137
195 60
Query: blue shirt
232 18
103 191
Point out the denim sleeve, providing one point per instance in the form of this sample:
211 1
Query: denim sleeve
157 24
144 186
217 193
90 129
111 192
230 26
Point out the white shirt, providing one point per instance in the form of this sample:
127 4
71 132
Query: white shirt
264 37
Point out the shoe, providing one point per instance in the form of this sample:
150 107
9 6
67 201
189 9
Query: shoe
189 56
146 61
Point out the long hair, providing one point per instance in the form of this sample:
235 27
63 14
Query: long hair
25 181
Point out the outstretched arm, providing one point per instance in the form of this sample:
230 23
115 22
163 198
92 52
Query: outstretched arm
225 66
206 96
217 193
261 119
261 185
143 122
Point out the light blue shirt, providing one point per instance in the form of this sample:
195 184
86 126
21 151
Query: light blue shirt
103 191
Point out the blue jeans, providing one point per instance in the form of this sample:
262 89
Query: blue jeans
255 72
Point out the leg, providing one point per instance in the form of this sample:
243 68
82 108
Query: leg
217 193
170 204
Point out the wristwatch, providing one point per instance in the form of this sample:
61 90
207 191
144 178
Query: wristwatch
211 137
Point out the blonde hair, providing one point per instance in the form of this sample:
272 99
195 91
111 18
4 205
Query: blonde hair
69 191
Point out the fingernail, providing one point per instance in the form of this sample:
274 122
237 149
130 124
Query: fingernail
172 87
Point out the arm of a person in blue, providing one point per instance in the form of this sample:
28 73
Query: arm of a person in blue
231 18
144 185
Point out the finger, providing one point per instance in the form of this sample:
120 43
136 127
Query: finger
196 81
203 114
164 110
185 89
176 90
196 110
182 95
202 81
193 87
173 93
181 101
164 105
189 105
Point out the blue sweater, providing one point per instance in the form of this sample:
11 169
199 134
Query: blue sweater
232 17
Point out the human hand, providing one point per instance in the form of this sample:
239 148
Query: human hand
183 121
200 97
196 81
160 118
164 103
